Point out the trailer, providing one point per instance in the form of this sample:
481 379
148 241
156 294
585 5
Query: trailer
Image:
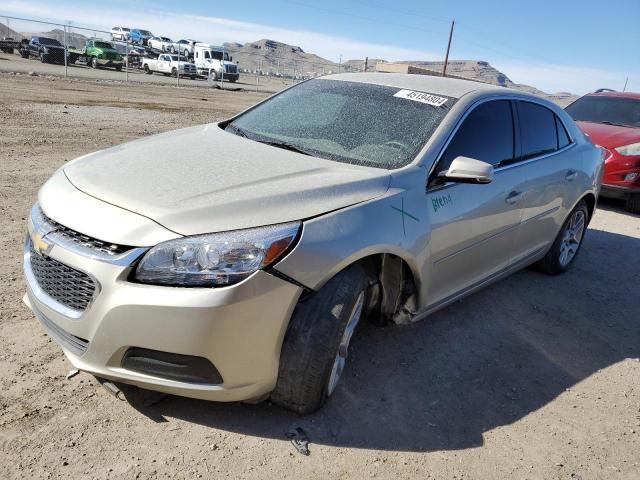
9 45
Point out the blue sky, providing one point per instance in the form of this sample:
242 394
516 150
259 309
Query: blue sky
562 45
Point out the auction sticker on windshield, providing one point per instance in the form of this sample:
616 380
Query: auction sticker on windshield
422 97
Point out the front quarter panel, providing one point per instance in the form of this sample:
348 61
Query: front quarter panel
395 223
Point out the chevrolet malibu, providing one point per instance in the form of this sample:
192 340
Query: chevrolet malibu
235 260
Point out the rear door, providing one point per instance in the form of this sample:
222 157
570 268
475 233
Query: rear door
473 227
550 167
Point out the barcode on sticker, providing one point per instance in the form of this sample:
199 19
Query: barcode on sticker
422 97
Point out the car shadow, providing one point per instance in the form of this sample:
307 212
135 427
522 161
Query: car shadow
483 362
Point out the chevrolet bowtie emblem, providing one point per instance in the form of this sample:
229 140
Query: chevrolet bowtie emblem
39 243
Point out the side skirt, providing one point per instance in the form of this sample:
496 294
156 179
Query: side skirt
534 257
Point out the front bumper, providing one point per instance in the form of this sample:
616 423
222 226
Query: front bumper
239 328
232 77
103 62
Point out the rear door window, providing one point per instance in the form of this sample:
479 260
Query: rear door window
563 136
537 130
486 134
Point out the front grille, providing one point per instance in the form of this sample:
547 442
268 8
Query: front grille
66 285
84 240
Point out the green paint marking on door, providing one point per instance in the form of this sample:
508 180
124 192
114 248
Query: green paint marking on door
404 213
441 202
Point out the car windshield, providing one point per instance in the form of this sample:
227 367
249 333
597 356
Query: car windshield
174 58
348 122
102 45
604 109
146 32
50 41
165 39
124 29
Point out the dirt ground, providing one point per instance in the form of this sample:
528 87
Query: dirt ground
535 377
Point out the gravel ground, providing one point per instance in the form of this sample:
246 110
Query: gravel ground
535 377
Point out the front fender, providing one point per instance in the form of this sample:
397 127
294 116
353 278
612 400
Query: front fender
396 223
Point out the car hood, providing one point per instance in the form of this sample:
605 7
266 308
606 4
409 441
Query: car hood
203 179
610 136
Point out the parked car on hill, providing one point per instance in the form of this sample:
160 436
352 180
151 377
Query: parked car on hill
169 65
48 50
120 33
164 44
139 36
612 120
235 260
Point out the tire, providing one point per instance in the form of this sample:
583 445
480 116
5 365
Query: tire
146 69
315 347
174 72
192 77
119 68
633 203
24 54
554 262
172 49
94 62
43 57
213 75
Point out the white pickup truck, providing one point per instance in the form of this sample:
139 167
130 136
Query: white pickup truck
169 65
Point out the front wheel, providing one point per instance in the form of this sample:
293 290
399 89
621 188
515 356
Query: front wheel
43 57
94 62
568 242
315 348
146 69
174 72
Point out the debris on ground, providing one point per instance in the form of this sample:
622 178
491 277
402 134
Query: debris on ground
299 440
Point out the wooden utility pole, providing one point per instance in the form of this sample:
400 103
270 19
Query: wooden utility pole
366 64
446 57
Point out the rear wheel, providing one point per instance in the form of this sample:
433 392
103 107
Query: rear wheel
119 68
146 69
315 348
94 62
43 57
567 244
174 72
633 203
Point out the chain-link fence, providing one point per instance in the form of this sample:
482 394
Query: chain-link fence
133 55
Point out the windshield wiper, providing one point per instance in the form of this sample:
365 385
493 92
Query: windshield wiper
285 146
237 130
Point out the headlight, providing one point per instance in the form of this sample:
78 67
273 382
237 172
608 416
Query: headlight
217 258
629 150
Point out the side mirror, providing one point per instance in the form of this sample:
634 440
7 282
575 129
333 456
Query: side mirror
468 170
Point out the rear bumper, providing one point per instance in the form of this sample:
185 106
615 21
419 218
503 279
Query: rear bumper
616 191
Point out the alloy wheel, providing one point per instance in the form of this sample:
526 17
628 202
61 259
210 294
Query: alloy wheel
343 349
571 237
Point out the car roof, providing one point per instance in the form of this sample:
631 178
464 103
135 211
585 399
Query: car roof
451 87
615 94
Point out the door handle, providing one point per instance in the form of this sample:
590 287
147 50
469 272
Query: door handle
514 197
571 174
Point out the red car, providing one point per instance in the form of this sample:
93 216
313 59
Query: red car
612 120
